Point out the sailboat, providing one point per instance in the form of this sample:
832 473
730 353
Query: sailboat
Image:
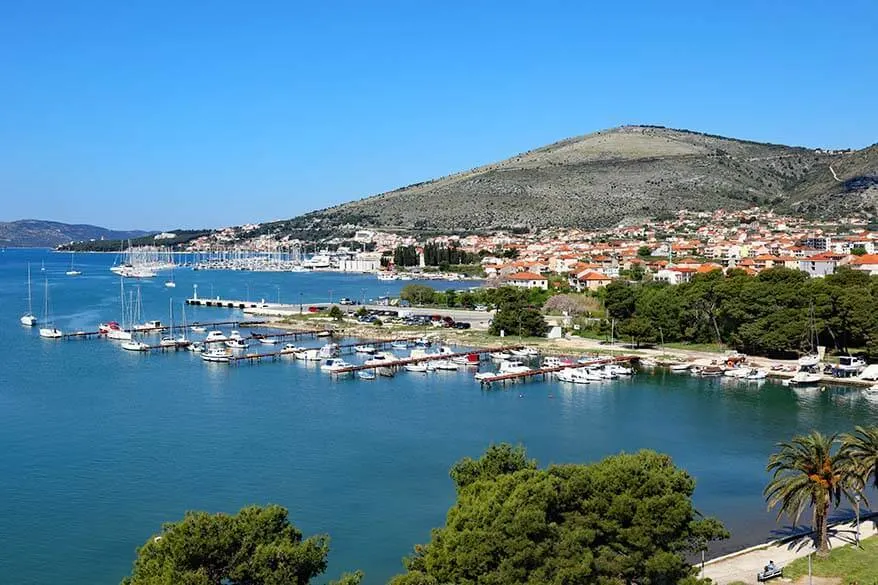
170 282
43 266
73 271
49 331
29 319
169 340
133 344
813 358
115 332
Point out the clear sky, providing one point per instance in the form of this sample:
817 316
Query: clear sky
162 114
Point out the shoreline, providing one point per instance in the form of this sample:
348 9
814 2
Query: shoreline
561 346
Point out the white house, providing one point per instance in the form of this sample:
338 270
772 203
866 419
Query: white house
528 280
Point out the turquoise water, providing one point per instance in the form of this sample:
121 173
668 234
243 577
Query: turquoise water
98 446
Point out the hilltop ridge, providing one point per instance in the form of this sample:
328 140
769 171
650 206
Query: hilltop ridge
621 175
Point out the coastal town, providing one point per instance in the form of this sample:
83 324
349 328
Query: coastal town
671 251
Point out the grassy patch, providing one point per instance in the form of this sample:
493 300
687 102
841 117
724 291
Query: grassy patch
709 347
850 564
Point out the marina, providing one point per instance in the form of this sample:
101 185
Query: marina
112 443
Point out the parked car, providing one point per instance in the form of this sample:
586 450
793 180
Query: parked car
462 325
480 308
345 301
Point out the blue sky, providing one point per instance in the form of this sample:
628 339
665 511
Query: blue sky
167 114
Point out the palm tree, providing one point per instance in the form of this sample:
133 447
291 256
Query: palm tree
859 451
807 472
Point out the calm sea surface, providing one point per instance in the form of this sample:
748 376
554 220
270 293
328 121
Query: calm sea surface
99 447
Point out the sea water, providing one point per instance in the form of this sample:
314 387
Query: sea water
99 447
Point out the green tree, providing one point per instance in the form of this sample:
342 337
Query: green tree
626 519
638 329
858 251
417 294
335 313
256 546
807 472
521 320
859 451
644 251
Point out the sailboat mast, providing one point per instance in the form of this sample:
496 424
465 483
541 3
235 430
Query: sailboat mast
30 299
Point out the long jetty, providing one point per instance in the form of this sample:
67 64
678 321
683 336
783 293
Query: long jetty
163 328
426 358
252 358
514 376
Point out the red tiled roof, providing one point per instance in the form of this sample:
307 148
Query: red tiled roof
527 276
865 259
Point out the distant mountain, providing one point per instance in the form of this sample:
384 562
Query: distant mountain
36 233
623 175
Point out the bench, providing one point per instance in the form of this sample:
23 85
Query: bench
766 575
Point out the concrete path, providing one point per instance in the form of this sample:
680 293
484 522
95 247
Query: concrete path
744 565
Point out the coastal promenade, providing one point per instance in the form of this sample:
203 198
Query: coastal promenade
745 564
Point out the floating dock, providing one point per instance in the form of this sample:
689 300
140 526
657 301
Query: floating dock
514 376
427 358
164 328
252 358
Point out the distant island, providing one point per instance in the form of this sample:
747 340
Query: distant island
34 233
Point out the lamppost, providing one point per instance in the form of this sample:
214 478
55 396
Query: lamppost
300 302
278 294
857 498
330 296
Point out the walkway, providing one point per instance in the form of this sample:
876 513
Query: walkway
744 565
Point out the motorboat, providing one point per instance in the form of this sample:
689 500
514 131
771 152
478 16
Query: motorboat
380 359
470 359
386 372
573 376
366 375
333 365
525 352
416 368
119 335
400 345
364 349
330 350
196 347
512 367
756 374
171 341
134 345
594 374
500 355
737 372
809 361
324 333
217 354
603 373
198 329
485 375
268 340
708 371
445 365
619 370
806 377
679 367
153 325
215 337
423 342
292 348
236 343
308 355
551 362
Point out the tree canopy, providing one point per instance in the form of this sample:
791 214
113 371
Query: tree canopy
626 519
256 546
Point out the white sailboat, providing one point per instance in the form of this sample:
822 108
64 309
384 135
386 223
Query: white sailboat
73 271
170 340
49 331
121 333
170 283
29 319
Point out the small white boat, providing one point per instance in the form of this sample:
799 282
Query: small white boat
215 337
198 329
619 370
525 352
500 355
679 367
308 355
324 334
217 354
850 364
871 391
380 359
809 361
400 345
756 374
330 350
573 376
365 349
292 348
196 347
268 340
29 319
366 375
117 334
805 378
485 375
153 325
445 365
51 333
552 362
333 365
236 343
416 368
423 342
134 345
170 284
512 367
737 372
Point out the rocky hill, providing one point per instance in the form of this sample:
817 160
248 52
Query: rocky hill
35 233
622 175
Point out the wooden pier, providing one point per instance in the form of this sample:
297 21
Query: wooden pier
252 358
168 328
514 376
426 358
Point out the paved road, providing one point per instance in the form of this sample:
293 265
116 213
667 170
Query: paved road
474 317
744 565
